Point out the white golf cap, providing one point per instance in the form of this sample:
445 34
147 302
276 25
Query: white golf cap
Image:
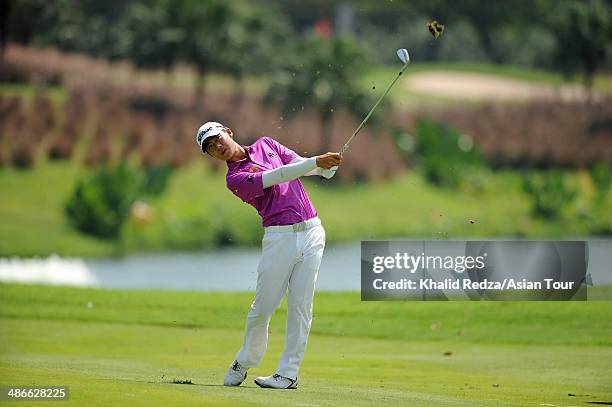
208 129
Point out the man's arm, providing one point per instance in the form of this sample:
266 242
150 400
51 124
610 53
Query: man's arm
317 171
298 167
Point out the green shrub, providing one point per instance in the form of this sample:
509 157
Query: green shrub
595 215
101 203
210 226
446 155
155 179
601 221
550 192
601 174
599 208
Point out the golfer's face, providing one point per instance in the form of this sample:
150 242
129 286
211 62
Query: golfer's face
220 146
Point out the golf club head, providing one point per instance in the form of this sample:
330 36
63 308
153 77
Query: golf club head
403 55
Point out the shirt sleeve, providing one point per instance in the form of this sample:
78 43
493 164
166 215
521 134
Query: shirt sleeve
286 154
246 185
298 159
288 172
317 171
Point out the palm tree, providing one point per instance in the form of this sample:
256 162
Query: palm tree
321 74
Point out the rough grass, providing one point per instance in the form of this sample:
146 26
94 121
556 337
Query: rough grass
120 348
33 221
405 206
32 210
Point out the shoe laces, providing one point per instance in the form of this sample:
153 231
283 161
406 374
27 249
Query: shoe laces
278 377
236 366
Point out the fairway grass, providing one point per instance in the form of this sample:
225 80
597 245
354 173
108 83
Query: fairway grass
126 348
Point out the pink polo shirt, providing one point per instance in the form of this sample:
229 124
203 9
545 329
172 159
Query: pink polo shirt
283 204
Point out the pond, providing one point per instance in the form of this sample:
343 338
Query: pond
222 270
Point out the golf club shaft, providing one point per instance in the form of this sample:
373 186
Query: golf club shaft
348 142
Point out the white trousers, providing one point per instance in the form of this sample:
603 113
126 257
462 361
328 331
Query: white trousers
289 264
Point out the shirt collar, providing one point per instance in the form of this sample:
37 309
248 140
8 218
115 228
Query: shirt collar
248 150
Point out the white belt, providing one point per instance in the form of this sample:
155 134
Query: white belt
296 227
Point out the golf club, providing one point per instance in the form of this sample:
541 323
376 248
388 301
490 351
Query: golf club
403 55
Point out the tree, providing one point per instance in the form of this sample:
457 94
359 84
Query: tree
234 37
322 74
583 30
212 29
154 33
259 45
87 26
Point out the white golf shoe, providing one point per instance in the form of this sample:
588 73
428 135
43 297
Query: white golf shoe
276 381
235 374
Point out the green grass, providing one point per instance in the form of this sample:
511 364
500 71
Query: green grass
380 78
404 206
382 75
198 210
57 94
197 207
33 221
504 71
377 77
128 347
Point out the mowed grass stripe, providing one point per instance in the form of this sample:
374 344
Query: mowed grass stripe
117 363
335 314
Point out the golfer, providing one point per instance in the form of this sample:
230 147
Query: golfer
266 176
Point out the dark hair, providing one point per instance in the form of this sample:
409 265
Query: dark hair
205 143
